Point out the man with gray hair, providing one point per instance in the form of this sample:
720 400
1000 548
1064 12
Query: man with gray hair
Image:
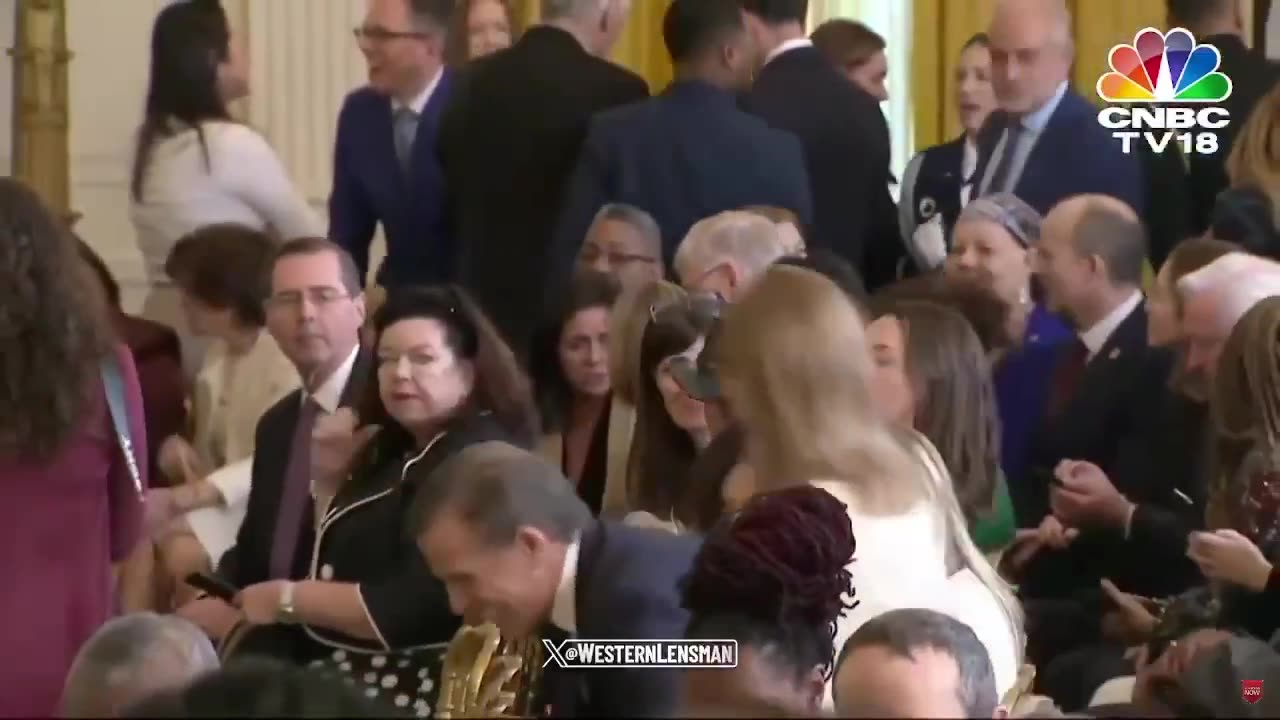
725 253
625 242
1044 143
132 658
1215 297
508 142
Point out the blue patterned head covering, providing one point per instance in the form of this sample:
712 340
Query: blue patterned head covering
1009 212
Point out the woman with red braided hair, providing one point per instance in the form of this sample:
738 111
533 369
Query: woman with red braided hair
775 580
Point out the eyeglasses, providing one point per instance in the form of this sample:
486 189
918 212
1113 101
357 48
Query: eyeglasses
380 35
318 296
591 254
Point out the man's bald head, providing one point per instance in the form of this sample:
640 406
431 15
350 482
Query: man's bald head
1091 248
1215 297
1031 52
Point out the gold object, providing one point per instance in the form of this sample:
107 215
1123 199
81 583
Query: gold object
484 676
41 110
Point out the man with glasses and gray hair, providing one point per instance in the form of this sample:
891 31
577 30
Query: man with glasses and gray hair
725 253
625 242
132 658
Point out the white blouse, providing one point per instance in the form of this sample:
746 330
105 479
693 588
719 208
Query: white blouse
243 182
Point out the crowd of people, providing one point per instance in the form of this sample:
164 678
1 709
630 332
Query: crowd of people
654 367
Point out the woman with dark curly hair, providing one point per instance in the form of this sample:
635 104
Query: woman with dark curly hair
70 500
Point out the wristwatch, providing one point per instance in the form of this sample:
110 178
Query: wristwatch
287 614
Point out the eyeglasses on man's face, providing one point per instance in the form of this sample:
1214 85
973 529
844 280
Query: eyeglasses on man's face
378 35
317 296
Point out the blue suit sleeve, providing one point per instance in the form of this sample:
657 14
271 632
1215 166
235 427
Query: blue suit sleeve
352 220
801 195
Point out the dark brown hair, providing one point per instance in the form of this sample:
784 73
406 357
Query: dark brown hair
847 43
984 311
352 282
220 265
661 451
457 52
589 289
701 504
501 387
955 400
54 334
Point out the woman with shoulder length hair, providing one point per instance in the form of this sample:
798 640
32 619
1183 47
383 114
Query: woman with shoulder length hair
193 164
570 368
797 372
442 379
480 28
71 501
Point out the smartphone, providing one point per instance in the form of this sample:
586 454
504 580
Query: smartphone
1047 476
215 587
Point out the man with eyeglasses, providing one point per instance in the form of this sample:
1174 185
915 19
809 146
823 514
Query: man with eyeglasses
625 242
385 169
314 311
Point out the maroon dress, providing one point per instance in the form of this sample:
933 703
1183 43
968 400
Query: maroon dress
63 522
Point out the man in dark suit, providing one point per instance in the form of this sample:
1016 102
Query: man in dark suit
315 309
508 144
1220 23
385 166
688 153
1044 143
844 134
516 546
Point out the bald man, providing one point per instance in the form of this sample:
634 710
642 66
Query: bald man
1101 395
1044 143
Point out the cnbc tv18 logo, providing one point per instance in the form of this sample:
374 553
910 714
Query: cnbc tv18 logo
1164 82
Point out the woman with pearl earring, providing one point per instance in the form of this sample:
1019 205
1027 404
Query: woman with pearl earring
994 238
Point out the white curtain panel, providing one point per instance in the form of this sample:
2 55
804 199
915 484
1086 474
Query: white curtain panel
892 19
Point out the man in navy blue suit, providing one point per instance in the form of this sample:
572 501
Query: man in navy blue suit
1044 143
516 546
690 152
385 168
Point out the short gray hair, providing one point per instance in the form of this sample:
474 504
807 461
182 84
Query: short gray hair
1234 283
744 237
132 657
1009 212
642 221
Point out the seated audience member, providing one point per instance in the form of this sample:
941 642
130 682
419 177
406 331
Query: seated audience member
835 268
508 535
932 375
631 316
157 353
790 235
774 579
1254 161
1245 216
570 367
915 663
131 658
259 688
372 612
725 253
671 425
217 271
992 245
480 28
624 241
1205 675
795 367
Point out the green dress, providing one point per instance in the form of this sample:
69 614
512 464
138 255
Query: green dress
995 531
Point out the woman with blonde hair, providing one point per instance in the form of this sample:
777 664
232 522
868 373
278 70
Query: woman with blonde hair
796 371
1255 154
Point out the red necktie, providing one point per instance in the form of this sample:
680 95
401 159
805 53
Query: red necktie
1066 376
295 493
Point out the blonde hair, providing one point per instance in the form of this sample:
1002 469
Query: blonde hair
1255 153
747 238
795 368
630 316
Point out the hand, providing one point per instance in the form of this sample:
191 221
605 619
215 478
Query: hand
1026 544
1132 621
1052 533
213 616
178 460
1228 556
929 243
1175 661
1087 496
261 603
160 510
335 442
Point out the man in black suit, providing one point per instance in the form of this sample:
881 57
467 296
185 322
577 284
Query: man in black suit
515 546
1221 23
845 138
315 308
688 153
507 146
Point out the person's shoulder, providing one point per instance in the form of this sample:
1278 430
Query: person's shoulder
283 408
360 100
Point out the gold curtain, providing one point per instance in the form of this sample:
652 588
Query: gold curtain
1100 25
640 48
939 29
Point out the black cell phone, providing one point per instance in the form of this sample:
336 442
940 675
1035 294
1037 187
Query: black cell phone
1047 476
215 587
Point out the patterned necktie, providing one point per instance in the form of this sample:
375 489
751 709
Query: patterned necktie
1000 178
295 493
405 129
1066 377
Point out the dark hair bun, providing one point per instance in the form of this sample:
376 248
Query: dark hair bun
1246 217
783 558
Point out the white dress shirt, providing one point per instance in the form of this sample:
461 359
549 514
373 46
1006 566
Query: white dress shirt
419 102
792 44
1097 336
1033 124
243 182
968 163
564 609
